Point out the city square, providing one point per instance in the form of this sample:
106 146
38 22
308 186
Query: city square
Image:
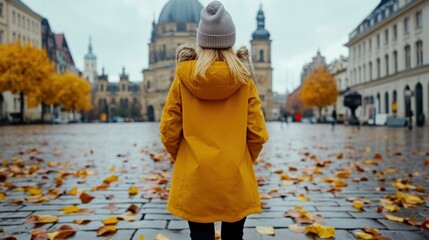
295 161
128 119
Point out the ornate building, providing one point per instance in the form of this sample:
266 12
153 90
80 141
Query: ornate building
90 62
177 25
389 61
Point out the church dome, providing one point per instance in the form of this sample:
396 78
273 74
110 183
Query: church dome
181 11
261 33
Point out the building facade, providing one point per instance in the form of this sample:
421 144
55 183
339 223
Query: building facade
389 60
338 70
18 23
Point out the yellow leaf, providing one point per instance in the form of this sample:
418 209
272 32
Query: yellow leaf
1 196
112 169
303 198
358 205
321 231
285 177
45 218
106 229
133 190
339 183
81 221
111 179
35 191
161 236
362 235
409 198
128 217
265 230
110 220
73 191
306 214
141 237
52 164
70 209
394 218
278 171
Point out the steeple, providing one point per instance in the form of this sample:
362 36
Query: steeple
261 32
153 35
90 55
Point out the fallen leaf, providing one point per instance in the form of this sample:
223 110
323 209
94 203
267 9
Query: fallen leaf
70 209
133 208
81 221
39 234
265 230
409 198
161 236
133 190
141 237
278 171
302 198
111 179
373 231
128 217
358 205
320 230
110 220
378 156
394 218
63 232
86 197
362 235
44 218
101 231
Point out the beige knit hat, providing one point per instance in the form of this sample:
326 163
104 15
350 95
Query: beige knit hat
216 28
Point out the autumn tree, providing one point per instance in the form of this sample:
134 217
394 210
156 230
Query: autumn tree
50 92
23 68
75 93
319 89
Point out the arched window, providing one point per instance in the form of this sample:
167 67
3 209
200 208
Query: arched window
101 88
148 85
386 102
378 103
261 55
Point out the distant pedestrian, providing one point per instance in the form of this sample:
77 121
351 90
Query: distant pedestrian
213 127
334 118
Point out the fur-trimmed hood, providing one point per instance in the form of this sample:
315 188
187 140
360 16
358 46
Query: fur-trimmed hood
219 83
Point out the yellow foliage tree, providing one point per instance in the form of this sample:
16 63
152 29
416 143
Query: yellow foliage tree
23 68
50 91
75 93
319 89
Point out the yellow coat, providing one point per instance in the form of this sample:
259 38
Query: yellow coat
214 129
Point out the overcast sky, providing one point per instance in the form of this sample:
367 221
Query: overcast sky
121 29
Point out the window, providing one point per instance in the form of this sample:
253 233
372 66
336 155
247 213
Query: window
370 45
262 97
395 60
14 36
378 67
419 19
395 32
378 41
359 75
370 70
364 73
148 84
19 19
261 55
1 36
419 53
1 9
359 51
386 102
181 27
23 21
123 87
406 27
386 36
13 17
28 24
386 58
407 57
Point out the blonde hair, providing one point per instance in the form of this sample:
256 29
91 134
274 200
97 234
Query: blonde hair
207 56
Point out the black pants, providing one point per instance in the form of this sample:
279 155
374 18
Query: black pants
206 231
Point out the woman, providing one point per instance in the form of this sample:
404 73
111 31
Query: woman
213 127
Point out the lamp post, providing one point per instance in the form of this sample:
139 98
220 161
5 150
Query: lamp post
409 112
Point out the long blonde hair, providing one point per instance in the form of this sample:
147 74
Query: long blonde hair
207 56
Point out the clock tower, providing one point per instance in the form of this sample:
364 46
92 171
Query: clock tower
261 57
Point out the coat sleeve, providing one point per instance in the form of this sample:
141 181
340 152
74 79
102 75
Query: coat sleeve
171 120
257 133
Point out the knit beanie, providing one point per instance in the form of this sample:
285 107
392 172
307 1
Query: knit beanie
216 28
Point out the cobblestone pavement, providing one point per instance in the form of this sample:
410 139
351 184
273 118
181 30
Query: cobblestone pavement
299 159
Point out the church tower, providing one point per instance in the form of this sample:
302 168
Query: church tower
261 57
90 68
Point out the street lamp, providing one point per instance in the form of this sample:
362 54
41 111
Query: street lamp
409 112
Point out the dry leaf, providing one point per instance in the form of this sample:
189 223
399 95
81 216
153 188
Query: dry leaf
8 238
101 231
358 205
63 232
86 197
110 220
303 198
128 217
111 179
296 228
133 190
133 208
278 171
81 221
265 230
141 237
161 236
70 209
39 234
409 198
373 231
362 235
45 218
321 231
394 218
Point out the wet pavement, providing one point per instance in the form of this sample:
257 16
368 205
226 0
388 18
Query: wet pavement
326 172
